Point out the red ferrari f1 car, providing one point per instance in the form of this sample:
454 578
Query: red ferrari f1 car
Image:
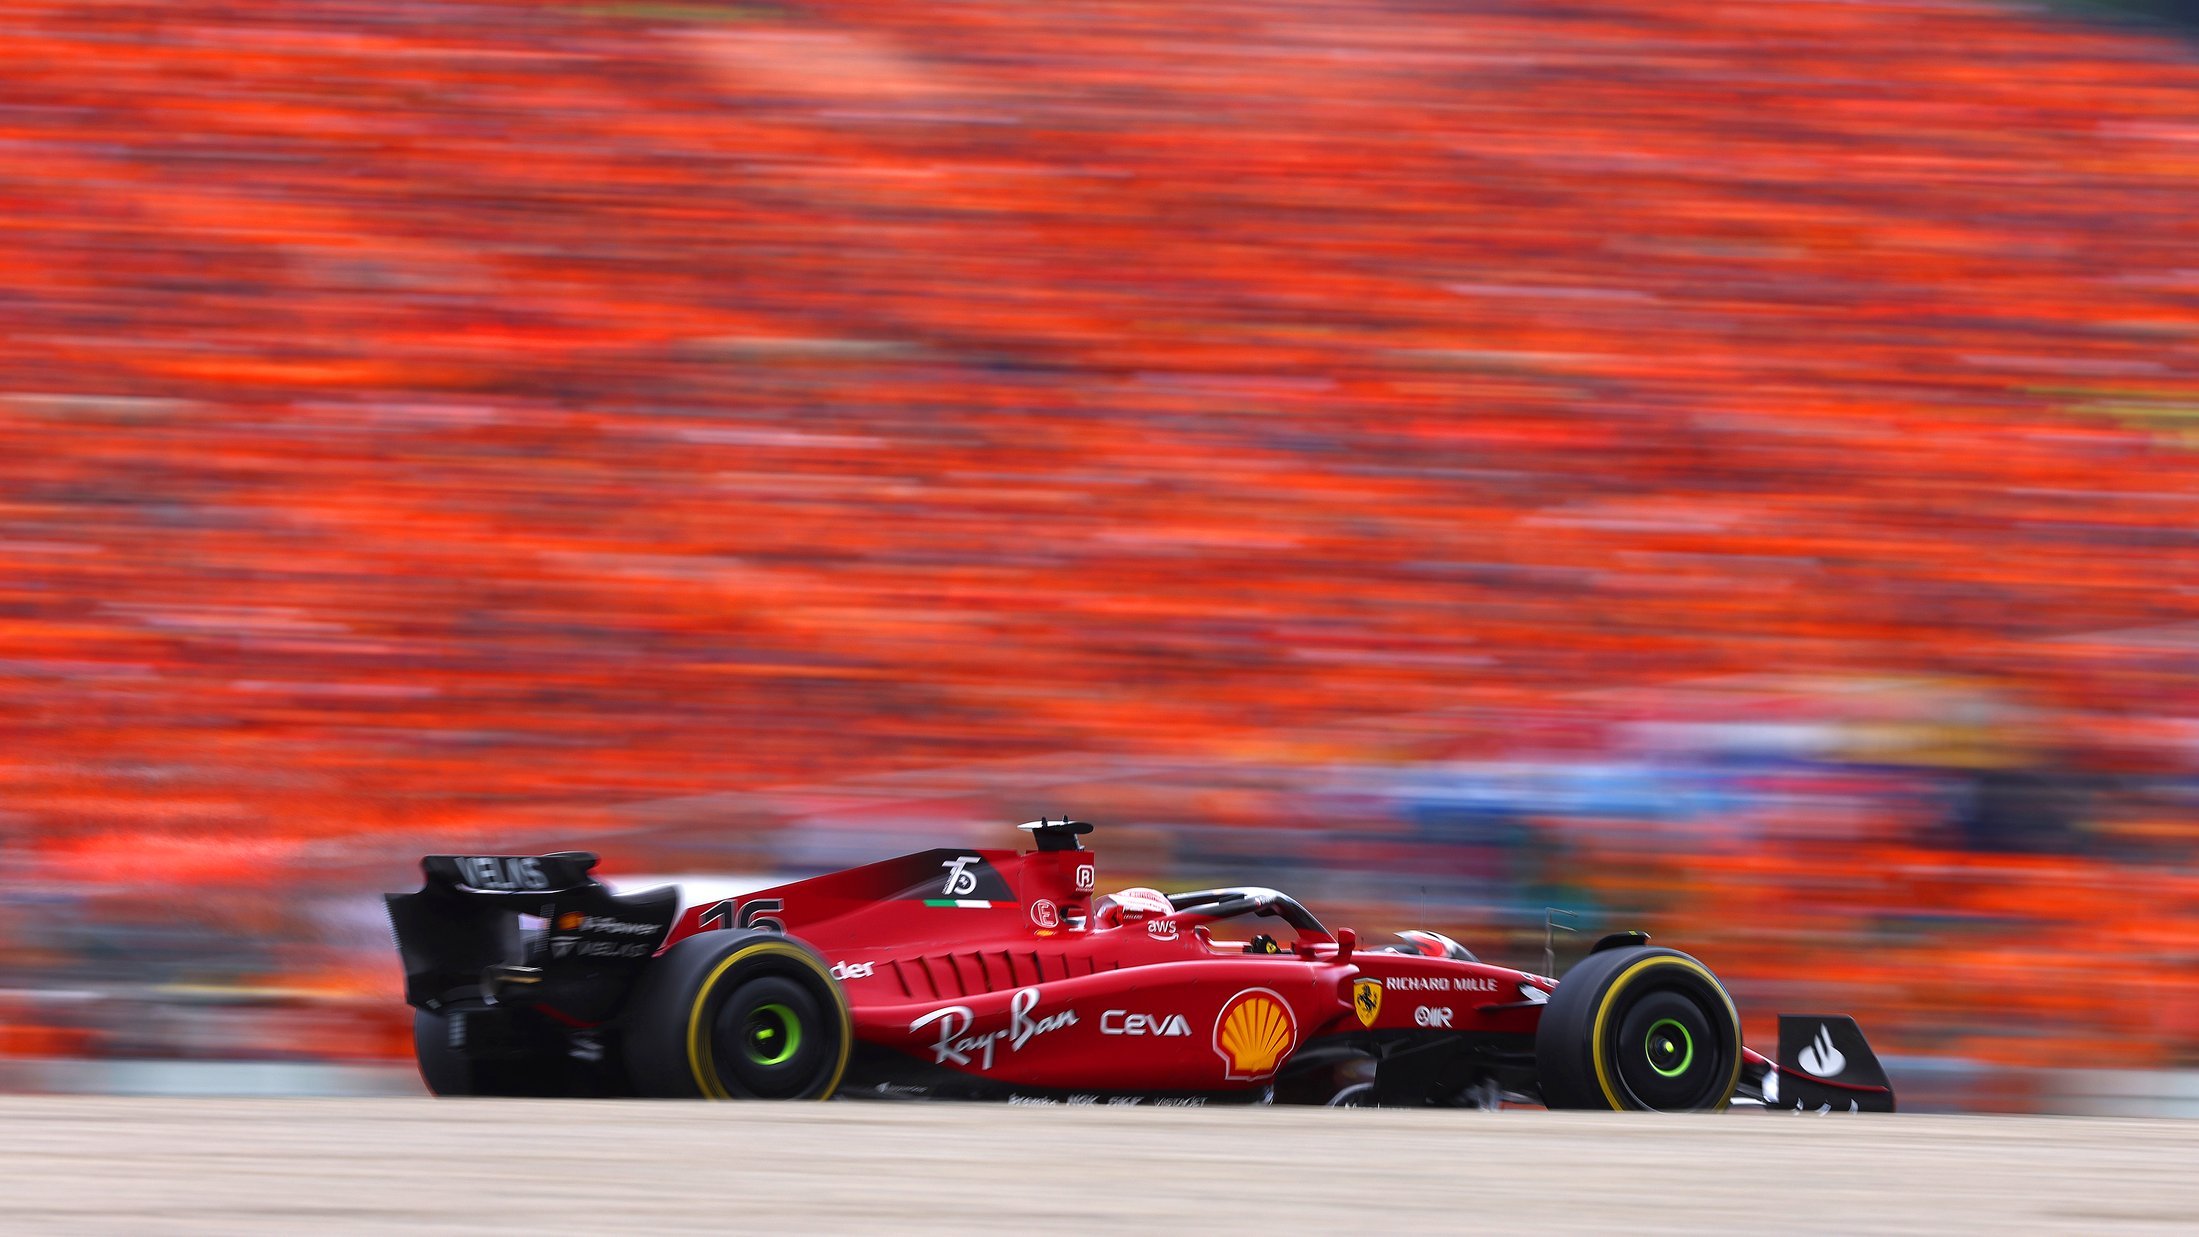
1001 975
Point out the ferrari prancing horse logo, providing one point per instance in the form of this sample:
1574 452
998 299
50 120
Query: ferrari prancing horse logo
1366 999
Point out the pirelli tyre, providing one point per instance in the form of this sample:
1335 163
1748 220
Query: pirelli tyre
448 1069
737 1015
1641 1029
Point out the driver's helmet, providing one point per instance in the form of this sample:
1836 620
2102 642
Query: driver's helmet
1137 902
1432 945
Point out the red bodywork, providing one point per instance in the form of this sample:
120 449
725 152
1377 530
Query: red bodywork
990 964
992 974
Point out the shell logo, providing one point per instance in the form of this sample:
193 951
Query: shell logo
1253 1033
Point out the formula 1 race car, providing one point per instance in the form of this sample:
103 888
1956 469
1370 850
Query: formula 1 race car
989 974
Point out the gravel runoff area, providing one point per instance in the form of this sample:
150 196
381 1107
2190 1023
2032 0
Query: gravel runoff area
76 1165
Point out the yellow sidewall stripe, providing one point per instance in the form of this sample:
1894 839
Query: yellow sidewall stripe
1606 1078
701 1060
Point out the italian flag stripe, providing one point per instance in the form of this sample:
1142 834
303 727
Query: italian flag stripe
962 902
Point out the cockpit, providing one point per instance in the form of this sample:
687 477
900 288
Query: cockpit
1166 915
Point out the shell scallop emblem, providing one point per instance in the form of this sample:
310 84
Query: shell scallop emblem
1253 1033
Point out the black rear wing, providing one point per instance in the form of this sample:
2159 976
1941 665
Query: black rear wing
510 874
525 930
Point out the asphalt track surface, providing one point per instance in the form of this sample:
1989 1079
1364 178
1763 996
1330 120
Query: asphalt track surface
74 1165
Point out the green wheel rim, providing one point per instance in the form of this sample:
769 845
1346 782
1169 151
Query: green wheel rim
773 1036
1666 1040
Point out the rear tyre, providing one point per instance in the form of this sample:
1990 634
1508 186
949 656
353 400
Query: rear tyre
738 1015
447 1071
1357 1095
1640 1029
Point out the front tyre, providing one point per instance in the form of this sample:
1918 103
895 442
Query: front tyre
1642 1029
738 1015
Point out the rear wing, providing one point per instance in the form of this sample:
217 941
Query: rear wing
525 930
512 874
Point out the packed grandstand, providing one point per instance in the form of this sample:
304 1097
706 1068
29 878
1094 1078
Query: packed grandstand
1724 467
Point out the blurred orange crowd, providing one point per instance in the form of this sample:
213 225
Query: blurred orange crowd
432 424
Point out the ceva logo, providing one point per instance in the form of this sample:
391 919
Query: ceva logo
1819 1057
1123 1022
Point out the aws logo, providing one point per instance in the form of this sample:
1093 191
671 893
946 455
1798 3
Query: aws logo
1253 1033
